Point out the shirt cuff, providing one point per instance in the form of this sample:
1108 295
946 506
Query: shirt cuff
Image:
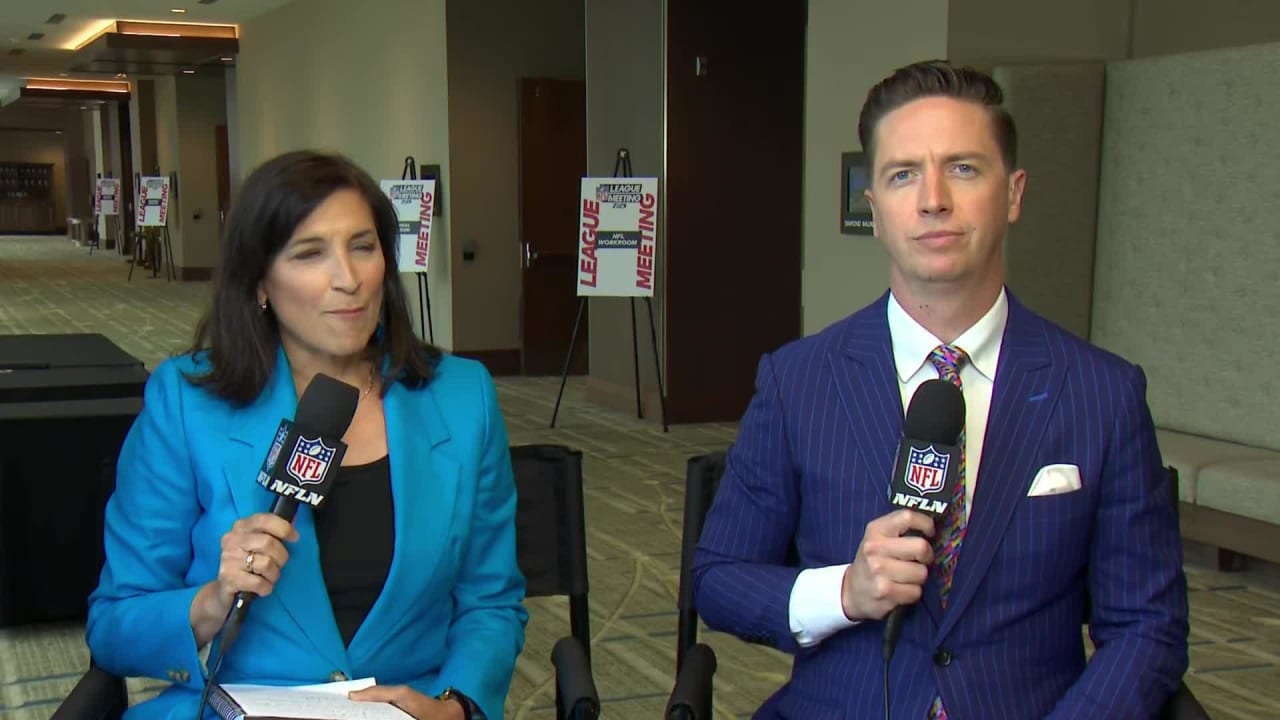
816 610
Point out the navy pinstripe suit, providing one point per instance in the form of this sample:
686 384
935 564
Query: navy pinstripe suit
811 467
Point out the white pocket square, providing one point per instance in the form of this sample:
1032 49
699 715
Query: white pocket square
1055 480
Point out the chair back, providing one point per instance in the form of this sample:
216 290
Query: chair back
701 479
551 539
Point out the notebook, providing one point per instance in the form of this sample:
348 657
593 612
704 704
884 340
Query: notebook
327 701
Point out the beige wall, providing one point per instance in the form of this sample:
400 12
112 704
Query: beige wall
340 76
852 44
201 108
1175 26
490 49
990 32
168 156
625 60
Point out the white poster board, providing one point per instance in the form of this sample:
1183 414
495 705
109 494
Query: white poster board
106 200
617 230
153 201
414 201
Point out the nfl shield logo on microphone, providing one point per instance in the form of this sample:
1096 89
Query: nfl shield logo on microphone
927 470
309 462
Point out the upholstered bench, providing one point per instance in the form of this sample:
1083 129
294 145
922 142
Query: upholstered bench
1230 493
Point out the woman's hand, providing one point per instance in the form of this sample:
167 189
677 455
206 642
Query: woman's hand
411 701
253 553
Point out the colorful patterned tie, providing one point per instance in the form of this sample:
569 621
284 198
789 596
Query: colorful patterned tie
948 360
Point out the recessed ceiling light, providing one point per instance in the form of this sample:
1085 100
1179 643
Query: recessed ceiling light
83 107
227 59
177 10
121 75
189 72
63 74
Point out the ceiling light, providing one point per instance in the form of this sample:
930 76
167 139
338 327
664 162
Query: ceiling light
189 71
64 75
227 59
177 10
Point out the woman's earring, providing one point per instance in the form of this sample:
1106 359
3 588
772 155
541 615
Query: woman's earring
263 306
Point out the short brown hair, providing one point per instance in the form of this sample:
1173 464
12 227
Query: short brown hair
937 78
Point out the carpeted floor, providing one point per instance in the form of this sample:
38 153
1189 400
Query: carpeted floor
634 477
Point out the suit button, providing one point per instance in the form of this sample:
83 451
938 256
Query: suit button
942 658
337 676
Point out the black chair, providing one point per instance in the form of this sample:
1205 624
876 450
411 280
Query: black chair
551 550
691 698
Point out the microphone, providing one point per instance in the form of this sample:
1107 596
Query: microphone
928 467
312 450
314 447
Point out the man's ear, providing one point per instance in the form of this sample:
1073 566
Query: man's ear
871 200
1017 185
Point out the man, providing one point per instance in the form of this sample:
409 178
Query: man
1062 505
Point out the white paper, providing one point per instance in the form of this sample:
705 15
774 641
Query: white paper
328 700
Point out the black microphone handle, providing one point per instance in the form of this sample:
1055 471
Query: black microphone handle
893 624
286 508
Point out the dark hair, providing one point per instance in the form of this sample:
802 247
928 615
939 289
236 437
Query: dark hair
934 78
240 340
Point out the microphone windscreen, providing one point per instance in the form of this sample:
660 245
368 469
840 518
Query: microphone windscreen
327 406
936 413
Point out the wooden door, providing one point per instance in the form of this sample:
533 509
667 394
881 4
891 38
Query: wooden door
553 159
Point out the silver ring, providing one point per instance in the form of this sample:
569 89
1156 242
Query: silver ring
248 562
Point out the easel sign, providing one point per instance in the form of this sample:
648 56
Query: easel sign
106 200
153 201
414 201
617 221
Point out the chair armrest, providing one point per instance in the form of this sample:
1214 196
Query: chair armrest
1183 706
576 696
691 696
98 695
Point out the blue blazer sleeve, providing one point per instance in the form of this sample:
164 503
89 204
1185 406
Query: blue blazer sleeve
487 632
139 616
741 585
1138 593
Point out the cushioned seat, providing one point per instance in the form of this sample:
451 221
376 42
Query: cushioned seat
1190 454
1250 488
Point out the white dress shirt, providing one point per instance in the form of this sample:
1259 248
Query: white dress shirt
816 611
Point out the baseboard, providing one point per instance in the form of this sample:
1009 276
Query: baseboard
195 274
499 362
620 397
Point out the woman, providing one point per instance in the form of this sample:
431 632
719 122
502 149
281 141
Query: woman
408 572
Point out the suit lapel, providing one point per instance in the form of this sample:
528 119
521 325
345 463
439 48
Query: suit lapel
301 590
1025 391
867 384
424 484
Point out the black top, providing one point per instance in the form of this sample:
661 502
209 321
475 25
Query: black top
355 529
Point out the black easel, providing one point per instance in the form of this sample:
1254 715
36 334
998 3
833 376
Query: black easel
410 172
164 253
621 169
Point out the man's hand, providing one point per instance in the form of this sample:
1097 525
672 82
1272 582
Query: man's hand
411 701
889 569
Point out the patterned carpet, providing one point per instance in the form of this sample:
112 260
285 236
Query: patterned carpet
634 475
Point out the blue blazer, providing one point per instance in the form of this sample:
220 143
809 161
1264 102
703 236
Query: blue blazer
811 468
450 613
